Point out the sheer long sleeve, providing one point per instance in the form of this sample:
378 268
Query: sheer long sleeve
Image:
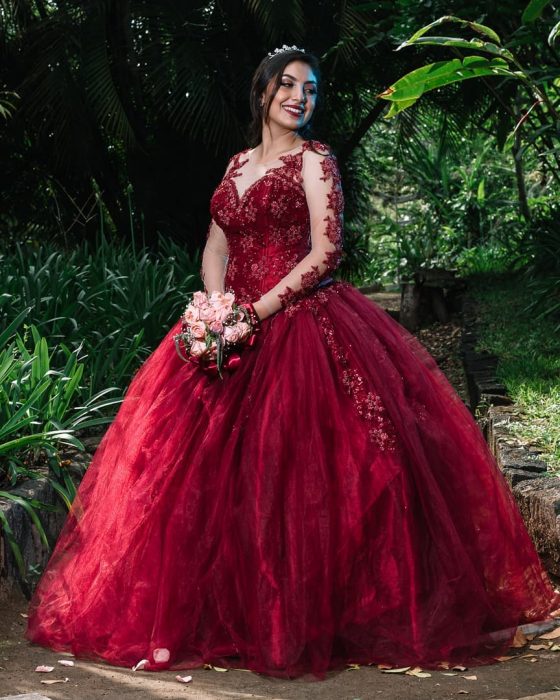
214 259
322 186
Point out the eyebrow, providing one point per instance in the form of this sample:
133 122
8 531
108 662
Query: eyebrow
287 75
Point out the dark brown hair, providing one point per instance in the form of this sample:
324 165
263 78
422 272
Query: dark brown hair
272 68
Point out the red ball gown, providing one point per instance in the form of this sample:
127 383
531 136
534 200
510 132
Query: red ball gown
331 501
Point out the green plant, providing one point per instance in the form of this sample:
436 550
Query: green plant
40 412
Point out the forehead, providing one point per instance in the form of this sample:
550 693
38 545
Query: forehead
301 71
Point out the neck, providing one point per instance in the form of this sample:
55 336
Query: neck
275 141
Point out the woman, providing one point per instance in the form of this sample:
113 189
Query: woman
331 501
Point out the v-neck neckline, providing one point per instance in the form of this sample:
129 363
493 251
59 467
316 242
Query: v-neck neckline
239 164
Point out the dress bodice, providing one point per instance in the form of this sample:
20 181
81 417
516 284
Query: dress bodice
267 223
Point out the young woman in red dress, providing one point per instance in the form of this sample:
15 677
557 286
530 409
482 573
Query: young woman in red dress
331 501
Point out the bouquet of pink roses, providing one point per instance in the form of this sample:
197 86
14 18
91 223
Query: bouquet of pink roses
212 328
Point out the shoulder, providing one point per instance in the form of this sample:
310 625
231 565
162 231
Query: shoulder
318 161
236 158
319 148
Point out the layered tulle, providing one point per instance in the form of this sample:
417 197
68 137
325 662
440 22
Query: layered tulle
332 501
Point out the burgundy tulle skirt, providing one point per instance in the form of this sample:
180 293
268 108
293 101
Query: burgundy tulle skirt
332 501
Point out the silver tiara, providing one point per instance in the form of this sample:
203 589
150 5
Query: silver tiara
283 48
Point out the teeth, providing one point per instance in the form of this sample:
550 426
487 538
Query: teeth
295 110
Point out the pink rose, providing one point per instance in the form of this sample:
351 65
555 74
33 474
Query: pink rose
216 326
223 313
232 334
191 314
208 314
199 298
198 329
198 348
222 301
244 329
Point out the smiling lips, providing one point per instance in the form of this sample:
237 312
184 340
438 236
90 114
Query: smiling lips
293 110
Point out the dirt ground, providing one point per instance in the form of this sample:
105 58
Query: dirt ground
518 678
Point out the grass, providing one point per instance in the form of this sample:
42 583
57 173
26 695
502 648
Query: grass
529 358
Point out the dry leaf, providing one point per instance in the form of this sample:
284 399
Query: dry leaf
44 669
551 635
524 656
218 668
443 664
459 668
384 666
396 670
183 679
24 614
65 662
519 640
56 681
417 671
504 658
538 647
449 674
140 664
530 637
470 678
353 667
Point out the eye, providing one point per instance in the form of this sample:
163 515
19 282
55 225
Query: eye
311 91
286 83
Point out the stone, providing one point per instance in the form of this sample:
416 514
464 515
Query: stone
539 502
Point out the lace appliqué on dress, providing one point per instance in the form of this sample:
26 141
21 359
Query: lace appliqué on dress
333 232
367 403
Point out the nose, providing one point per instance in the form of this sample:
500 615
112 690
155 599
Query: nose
300 93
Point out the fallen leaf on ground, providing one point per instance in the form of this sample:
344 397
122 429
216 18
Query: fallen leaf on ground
459 668
353 667
504 658
384 666
24 614
44 669
396 670
519 640
140 665
60 680
65 662
443 664
184 679
538 647
449 674
551 635
555 647
417 671
470 678
530 637
524 656
218 668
